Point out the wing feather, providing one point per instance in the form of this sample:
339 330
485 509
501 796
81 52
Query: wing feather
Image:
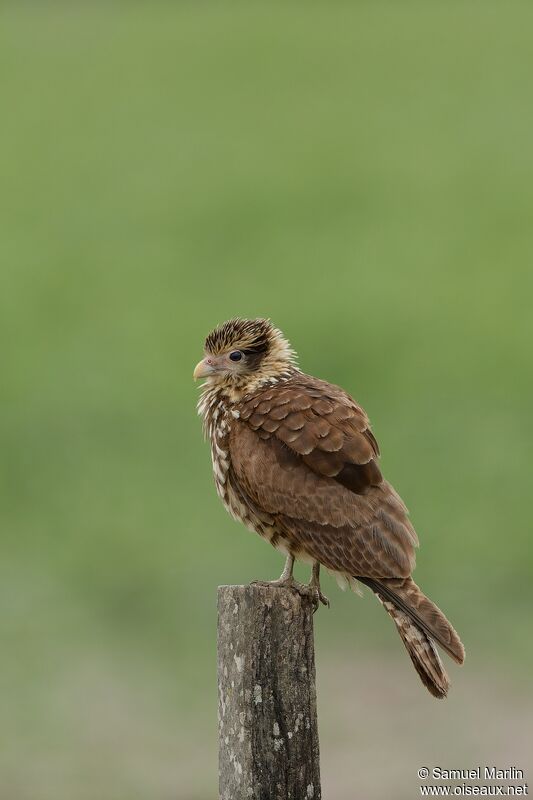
304 454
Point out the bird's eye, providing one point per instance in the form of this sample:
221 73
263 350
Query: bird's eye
236 355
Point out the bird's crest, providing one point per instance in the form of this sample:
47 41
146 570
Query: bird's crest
256 336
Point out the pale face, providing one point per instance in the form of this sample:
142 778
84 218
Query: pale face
232 363
242 352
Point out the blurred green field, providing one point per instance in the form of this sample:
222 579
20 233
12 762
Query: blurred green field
362 174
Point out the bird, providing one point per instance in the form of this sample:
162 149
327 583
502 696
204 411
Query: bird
295 460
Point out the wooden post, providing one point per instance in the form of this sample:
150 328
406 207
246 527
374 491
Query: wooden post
268 733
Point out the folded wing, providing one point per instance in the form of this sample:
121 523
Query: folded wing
304 454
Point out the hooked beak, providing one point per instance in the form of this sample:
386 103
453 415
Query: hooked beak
203 369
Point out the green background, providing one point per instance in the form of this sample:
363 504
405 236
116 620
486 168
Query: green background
362 173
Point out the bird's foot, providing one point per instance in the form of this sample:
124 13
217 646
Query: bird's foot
320 597
287 581
303 589
314 586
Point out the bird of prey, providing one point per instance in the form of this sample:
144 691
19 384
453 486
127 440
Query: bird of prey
295 460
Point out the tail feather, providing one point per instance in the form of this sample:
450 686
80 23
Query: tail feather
419 622
408 597
422 652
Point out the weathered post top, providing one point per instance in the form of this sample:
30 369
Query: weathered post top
268 733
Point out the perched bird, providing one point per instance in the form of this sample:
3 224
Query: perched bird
295 460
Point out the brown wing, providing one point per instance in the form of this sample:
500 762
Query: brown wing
303 453
320 423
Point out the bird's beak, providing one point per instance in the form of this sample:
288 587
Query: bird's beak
203 369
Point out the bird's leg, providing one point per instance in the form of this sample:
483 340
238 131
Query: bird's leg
286 575
314 584
286 579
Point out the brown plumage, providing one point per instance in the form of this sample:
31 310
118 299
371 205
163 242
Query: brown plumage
294 459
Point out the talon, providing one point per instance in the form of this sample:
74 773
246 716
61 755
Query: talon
303 589
311 589
288 583
285 579
314 584
319 598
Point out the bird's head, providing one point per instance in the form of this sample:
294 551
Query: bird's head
243 353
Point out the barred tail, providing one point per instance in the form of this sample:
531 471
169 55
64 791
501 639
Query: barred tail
419 622
422 652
